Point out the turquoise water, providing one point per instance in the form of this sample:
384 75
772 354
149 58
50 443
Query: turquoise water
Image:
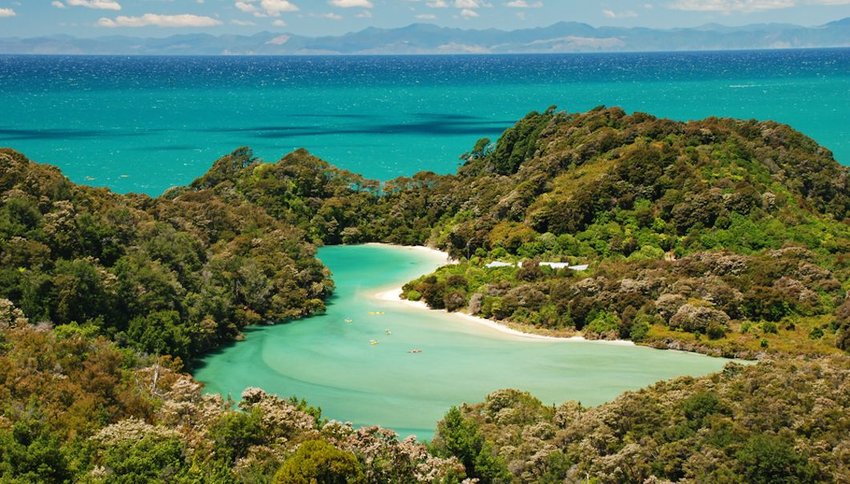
146 123
332 363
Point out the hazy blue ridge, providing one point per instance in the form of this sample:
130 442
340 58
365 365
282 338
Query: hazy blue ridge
431 39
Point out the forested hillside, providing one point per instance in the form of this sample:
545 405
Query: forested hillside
725 236
76 408
721 236
175 276
783 421
165 280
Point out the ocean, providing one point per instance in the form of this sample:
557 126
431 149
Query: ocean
143 124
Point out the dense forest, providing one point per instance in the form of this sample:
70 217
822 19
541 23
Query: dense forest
78 408
784 421
175 276
720 236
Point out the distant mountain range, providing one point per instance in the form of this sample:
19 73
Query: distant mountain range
432 39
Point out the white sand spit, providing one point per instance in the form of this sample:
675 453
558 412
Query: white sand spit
394 295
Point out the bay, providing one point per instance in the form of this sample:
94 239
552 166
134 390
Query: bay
331 361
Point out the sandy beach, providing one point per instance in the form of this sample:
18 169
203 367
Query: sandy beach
419 248
394 295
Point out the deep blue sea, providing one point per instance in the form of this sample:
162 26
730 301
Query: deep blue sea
144 124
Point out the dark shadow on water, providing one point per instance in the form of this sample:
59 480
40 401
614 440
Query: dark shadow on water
426 128
200 362
34 134
330 301
450 116
15 134
258 128
429 124
337 116
439 127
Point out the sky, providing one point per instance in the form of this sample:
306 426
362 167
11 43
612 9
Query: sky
154 18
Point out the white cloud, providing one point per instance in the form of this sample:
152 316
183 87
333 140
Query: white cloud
266 8
7 12
624 14
351 3
331 16
426 16
246 7
57 4
364 14
524 4
469 8
437 4
275 7
242 23
156 20
279 23
728 6
95 4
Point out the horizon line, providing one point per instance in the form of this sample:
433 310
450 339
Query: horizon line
448 54
412 24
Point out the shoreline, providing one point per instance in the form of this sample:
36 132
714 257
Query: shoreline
394 295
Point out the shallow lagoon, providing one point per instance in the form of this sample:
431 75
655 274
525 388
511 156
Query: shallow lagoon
332 363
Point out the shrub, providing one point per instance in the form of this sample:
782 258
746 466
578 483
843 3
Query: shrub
461 437
842 325
699 406
767 459
454 301
639 330
698 319
235 432
317 461
765 303
151 459
715 331
604 323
